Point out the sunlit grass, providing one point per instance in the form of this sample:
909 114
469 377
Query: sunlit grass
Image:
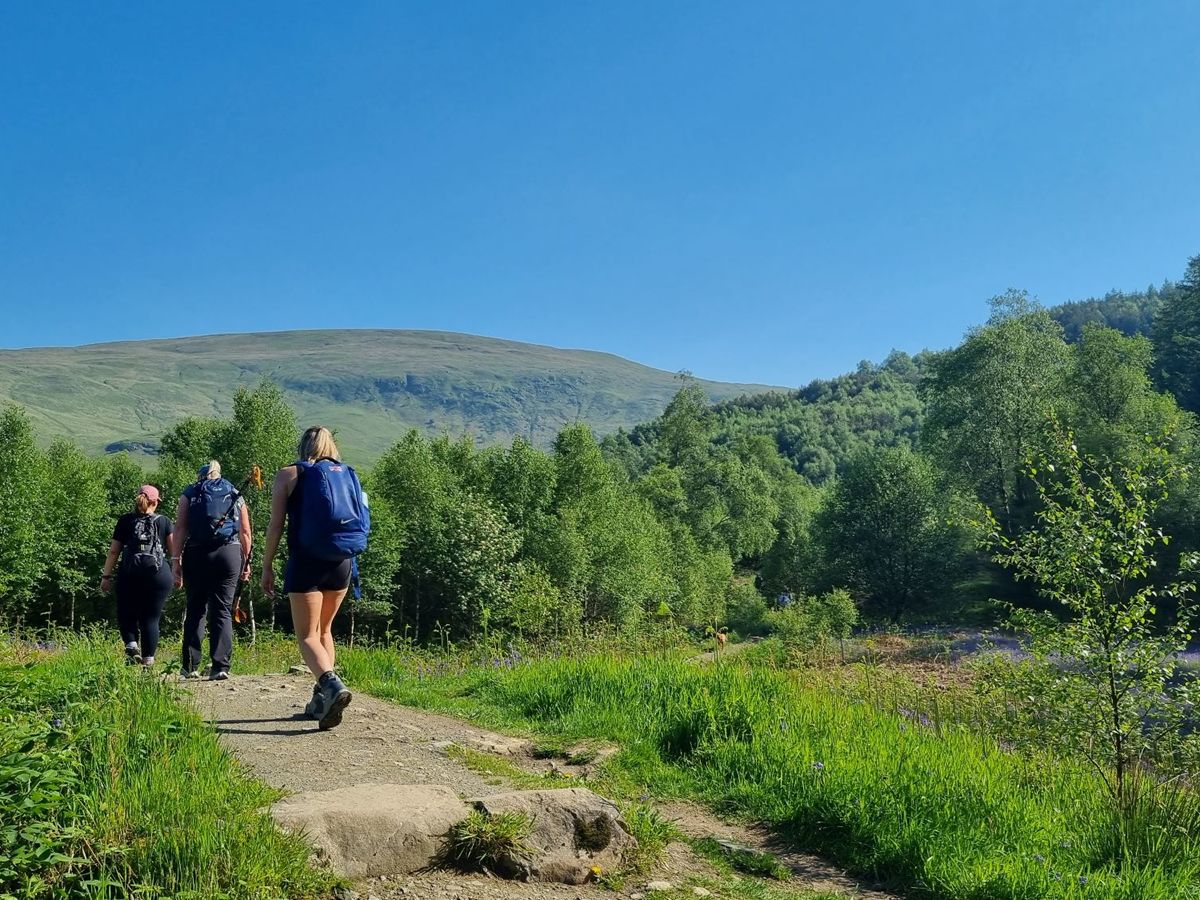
929 806
156 809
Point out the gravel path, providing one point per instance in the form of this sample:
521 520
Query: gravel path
259 718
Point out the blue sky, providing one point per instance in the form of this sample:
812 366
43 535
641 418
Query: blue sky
762 192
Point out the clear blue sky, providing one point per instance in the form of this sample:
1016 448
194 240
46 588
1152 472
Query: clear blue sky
761 192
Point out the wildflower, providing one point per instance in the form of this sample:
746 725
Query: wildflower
1083 879
57 723
818 766
1039 857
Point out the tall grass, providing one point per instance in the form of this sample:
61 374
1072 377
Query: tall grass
934 808
152 808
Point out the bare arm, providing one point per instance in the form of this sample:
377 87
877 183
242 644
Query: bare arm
281 490
244 535
114 551
178 539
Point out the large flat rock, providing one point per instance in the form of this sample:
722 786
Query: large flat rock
374 829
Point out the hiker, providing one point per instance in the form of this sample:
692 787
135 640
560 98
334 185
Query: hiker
142 540
327 526
213 534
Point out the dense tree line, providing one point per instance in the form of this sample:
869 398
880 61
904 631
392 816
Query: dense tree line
862 482
1129 312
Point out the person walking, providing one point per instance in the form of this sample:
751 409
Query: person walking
325 509
213 533
142 542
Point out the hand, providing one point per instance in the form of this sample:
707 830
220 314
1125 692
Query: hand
106 584
179 578
246 572
268 580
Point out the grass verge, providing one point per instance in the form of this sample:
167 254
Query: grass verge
110 788
936 811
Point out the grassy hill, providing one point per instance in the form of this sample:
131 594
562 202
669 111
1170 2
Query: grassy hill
370 385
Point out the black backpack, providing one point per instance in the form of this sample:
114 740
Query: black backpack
144 555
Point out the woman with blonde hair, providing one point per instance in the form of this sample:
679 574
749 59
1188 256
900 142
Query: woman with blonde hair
213 536
142 541
325 509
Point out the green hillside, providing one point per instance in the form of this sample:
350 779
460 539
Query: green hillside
370 385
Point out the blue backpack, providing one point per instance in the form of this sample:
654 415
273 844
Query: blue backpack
211 522
334 518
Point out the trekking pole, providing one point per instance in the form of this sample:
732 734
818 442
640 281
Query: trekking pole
239 614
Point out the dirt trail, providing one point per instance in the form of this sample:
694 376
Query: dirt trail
259 718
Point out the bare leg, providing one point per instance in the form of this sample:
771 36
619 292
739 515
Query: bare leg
331 601
306 617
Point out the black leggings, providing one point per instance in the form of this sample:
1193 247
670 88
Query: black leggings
140 601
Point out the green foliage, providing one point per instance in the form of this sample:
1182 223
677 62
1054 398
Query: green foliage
987 402
117 798
883 531
78 525
652 831
487 843
1176 334
809 621
22 481
1130 313
1111 402
746 609
1105 682
39 785
943 811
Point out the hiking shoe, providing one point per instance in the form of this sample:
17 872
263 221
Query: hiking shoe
218 675
336 698
133 654
316 705
189 676
147 661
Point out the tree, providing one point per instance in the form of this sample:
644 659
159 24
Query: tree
22 487
1110 401
1176 334
988 400
1103 682
790 565
884 533
77 530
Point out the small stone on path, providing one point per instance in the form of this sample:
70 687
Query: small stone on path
660 886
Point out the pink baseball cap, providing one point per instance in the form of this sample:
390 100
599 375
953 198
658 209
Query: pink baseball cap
150 491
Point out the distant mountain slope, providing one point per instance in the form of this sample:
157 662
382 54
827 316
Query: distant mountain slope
370 385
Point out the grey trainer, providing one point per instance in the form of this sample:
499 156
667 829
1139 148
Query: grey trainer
337 697
315 706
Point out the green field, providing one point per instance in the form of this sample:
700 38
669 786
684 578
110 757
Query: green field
371 386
